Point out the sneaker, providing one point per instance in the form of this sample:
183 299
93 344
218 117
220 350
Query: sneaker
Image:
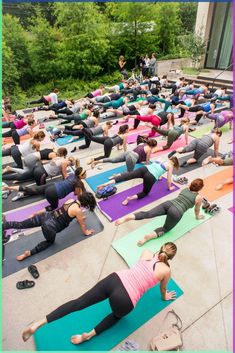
20 195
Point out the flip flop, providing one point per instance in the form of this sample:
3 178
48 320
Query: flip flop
33 271
25 284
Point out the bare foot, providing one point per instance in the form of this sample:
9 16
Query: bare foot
207 160
125 202
28 332
140 242
90 162
7 169
119 221
77 339
23 256
219 187
113 176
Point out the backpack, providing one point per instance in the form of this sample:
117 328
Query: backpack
106 192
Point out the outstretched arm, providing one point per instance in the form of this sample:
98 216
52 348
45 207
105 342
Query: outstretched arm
81 221
197 208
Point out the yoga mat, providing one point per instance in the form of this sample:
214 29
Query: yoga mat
231 209
64 239
127 245
6 140
27 111
206 129
102 178
65 140
212 181
180 142
56 335
23 213
158 191
190 167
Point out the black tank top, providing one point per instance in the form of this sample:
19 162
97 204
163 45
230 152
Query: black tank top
45 153
62 217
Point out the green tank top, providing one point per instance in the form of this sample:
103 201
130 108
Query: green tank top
83 115
157 169
121 85
185 200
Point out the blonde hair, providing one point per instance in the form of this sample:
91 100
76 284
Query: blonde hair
75 162
184 121
167 252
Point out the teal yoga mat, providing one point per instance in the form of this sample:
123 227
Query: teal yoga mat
65 140
102 178
56 335
127 246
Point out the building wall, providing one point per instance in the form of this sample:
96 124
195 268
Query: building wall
203 22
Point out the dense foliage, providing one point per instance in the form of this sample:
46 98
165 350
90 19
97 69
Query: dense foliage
61 42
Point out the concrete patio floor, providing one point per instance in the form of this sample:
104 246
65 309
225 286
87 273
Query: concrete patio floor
202 268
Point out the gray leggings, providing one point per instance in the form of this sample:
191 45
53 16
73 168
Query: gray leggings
199 146
130 157
173 216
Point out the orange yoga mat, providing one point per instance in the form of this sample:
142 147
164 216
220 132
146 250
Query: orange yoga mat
212 181
6 140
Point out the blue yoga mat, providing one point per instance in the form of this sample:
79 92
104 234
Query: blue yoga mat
56 335
102 178
61 141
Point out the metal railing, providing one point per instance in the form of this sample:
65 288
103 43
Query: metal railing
221 74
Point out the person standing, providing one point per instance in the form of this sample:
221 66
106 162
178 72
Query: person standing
121 67
152 65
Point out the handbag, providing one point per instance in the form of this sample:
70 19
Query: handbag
171 338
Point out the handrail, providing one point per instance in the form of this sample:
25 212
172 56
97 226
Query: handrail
221 74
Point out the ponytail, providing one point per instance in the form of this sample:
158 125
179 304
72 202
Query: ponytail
167 252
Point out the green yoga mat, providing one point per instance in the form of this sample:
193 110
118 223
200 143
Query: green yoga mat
207 128
56 335
127 246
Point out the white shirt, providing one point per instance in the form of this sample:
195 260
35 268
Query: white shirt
54 98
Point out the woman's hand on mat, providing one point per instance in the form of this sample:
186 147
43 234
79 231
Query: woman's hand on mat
89 232
171 187
200 216
170 295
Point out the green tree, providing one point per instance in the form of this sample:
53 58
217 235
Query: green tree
14 37
188 14
132 28
167 28
84 39
10 74
196 46
43 50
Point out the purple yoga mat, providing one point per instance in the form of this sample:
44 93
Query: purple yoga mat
231 209
113 209
23 213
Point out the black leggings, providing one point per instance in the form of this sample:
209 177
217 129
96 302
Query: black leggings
49 229
172 136
110 288
49 191
142 173
103 140
38 173
12 133
66 111
173 216
40 100
16 155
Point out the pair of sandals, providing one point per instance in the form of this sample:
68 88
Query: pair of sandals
180 180
212 209
26 283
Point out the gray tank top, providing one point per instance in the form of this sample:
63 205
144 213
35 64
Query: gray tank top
98 130
207 140
89 123
179 129
185 200
26 148
31 160
54 167
116 140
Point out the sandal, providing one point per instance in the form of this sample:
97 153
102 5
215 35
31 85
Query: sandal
25 284
33 271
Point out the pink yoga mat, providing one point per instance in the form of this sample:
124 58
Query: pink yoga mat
158 191
178 143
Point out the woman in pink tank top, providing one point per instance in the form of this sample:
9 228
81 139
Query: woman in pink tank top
122 288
